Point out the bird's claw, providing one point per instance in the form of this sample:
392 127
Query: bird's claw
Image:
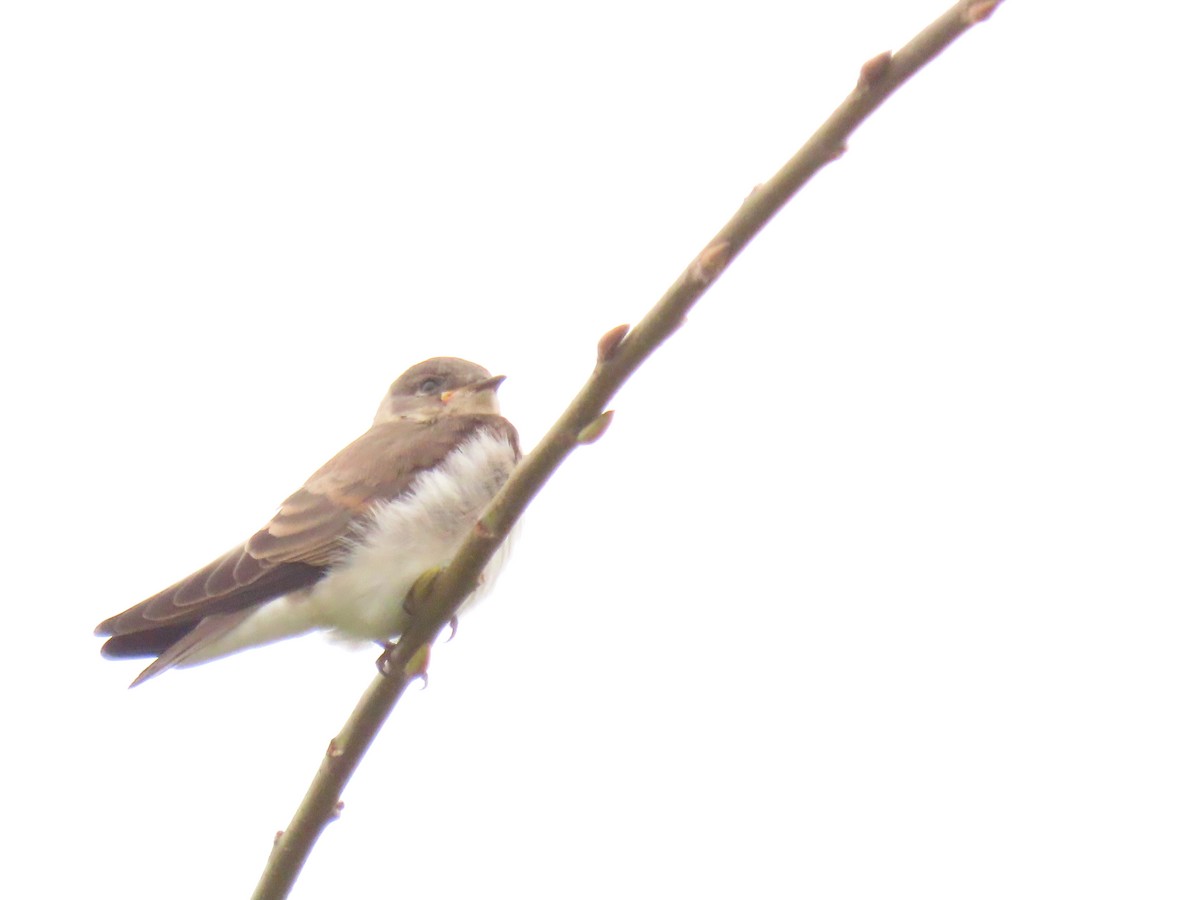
384 663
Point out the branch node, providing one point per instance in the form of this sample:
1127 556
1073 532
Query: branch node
873 70
486 527
711 262
594 430
336 812
754 190
606 349
977 12
334 750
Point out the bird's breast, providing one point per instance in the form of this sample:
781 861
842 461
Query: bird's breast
363 595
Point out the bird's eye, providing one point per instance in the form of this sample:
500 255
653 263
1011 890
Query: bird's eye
430 386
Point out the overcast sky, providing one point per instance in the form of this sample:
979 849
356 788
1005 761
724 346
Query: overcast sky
884 581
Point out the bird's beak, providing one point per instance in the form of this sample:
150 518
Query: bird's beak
488 384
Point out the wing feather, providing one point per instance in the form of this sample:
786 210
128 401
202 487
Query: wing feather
307 535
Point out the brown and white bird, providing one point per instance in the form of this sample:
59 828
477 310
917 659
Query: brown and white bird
343 552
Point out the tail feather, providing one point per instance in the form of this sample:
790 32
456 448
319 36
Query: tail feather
194 639
151 642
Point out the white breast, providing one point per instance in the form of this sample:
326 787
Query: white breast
362 596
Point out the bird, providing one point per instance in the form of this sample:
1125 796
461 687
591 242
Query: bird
343 552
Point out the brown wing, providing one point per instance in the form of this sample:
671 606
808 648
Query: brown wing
304 538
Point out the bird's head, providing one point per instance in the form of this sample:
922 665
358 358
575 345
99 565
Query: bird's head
440 386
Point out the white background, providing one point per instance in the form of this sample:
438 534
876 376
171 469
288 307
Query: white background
883 582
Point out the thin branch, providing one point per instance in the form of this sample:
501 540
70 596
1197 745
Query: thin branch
620 352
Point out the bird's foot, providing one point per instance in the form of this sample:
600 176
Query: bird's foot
420 589
383 664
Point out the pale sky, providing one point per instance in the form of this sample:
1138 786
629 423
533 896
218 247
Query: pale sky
884 581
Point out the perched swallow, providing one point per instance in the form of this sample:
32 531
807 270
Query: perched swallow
343 551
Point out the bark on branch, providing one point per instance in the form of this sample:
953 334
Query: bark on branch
620 352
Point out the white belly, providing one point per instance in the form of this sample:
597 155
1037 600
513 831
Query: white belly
362 596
